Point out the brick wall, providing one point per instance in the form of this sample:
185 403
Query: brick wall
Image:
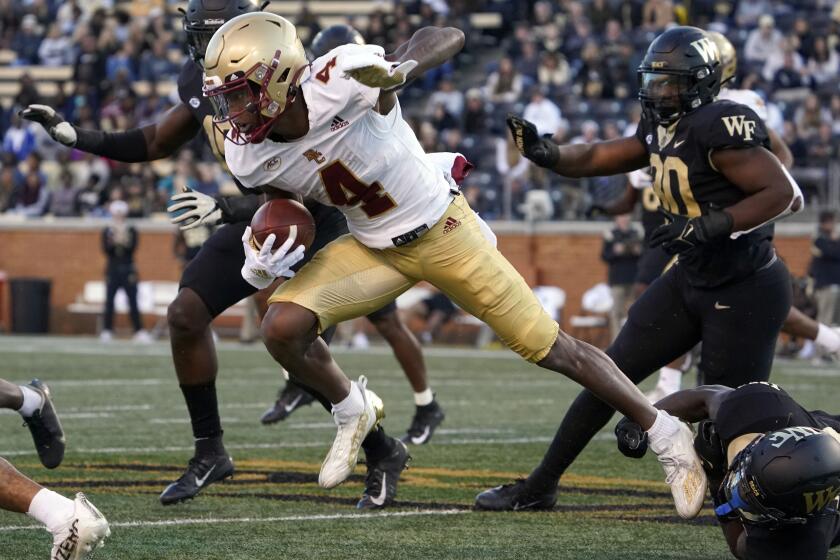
72 256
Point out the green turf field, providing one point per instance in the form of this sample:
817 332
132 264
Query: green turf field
128 435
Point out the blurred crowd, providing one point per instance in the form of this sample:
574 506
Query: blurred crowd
569 66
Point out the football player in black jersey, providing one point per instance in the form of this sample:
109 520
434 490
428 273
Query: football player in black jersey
212 282
773 467
720 190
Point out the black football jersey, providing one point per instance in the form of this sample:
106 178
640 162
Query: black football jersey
764 407
686 183
651 217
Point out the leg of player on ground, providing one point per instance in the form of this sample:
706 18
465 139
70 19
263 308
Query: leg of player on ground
800 325
428 414
77 527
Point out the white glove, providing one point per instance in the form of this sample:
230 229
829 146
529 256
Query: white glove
640 178
199 209
372 70
58 129
261 267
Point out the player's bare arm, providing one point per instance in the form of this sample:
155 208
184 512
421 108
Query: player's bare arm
693 405
428 47
780 148
578 160
760 175
623 204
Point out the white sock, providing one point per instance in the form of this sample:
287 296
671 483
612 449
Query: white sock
423 398
32 401
352 405
670 378
51 509
664 428
827 338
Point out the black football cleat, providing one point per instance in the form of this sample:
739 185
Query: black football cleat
202 471
46 429
382 478
426 419
290 398
515 497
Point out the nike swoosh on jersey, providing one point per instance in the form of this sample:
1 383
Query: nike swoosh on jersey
380 499
719 306
678 144
200 481
419 440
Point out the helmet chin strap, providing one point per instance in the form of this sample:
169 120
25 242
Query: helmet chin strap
734 503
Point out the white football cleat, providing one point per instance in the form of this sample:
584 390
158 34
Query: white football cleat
836 354
684 472
82 534
659 392
344 453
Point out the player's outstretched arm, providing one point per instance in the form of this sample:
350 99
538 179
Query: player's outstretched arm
773 193
154 141
693 405
428 47
578 160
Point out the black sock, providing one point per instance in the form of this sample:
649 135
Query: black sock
204 410
585 418
325 402
377 445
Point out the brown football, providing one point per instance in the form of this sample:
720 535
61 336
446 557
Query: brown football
279 216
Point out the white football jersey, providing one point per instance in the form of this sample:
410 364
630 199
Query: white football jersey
746 97
369 166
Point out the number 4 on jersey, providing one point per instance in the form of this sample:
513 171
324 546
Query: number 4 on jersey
345 189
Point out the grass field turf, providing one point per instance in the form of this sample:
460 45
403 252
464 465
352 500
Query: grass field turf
128 435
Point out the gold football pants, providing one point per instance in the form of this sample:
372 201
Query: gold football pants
346 279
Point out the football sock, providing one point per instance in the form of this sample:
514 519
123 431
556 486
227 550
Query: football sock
32 401
377 445
51 509
423 398
664 428
204 410
352 405
670 379
585 418
827 338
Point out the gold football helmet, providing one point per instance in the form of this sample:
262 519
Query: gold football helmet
728 56
253 63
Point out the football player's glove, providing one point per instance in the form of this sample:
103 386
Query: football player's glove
262 267
680 233
59 130
541 151
196 209
370 68
631 438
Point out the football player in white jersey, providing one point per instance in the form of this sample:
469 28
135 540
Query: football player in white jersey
333 131
797 323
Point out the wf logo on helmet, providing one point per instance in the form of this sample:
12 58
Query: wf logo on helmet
707 49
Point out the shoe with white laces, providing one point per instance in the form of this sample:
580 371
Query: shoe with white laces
83 534
344 453
683 472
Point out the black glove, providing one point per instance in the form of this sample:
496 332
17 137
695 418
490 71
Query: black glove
59 129
540 150
596 211
632 439
680 233
709 447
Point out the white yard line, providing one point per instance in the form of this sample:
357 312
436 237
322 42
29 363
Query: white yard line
222 521
246 446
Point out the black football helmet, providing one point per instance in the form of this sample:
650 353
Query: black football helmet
332 37
681 71
203 17
784 477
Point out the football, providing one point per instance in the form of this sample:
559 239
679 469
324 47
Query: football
281 216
